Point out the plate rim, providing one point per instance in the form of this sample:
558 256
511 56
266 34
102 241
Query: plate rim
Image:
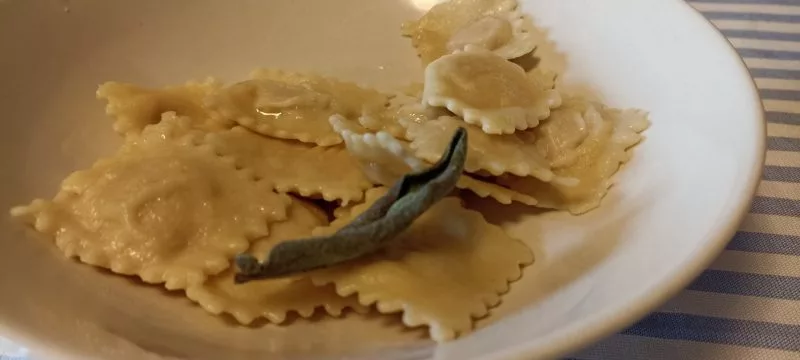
597 327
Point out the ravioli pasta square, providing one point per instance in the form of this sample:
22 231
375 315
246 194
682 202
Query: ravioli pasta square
495 154
402 109
488 91
542 78
294 106
295 167
348 98
384 159
344 214
273 299
134 107
170 212
449 267
501 194
587 142
493 25
276 109
389 119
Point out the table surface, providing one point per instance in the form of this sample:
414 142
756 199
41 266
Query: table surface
747 304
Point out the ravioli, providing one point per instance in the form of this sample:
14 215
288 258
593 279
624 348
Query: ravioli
542 78
387 120
170 211
488 91
501 194
587 142
383 158
294 106
402 108
313 209
449 267
295 167
495 154
273 299
561 137
457 25
134 107
349 98
344 214
209 171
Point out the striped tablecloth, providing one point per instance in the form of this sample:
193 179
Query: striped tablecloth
747 305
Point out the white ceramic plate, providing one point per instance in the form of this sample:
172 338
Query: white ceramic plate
678 202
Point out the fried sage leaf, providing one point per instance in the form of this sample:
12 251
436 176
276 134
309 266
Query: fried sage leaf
409 198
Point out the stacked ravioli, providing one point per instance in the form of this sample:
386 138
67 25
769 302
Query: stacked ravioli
208 171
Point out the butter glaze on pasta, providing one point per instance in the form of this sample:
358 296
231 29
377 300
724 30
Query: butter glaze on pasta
584 141
168 210
293 106
277 160
451 26
273 299
488 91
133 107
495 154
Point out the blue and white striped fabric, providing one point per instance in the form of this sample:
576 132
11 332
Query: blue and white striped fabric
747 305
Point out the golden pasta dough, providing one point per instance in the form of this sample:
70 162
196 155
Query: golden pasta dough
134 107
169 211
294 106
488 91
384 159
402 110
346 214
294 166
494 154
449 267
273 299
586 142
494 191
457 25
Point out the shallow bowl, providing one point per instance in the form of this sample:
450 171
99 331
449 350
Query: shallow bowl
676 205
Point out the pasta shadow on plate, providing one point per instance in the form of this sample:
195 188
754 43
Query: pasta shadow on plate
551 273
